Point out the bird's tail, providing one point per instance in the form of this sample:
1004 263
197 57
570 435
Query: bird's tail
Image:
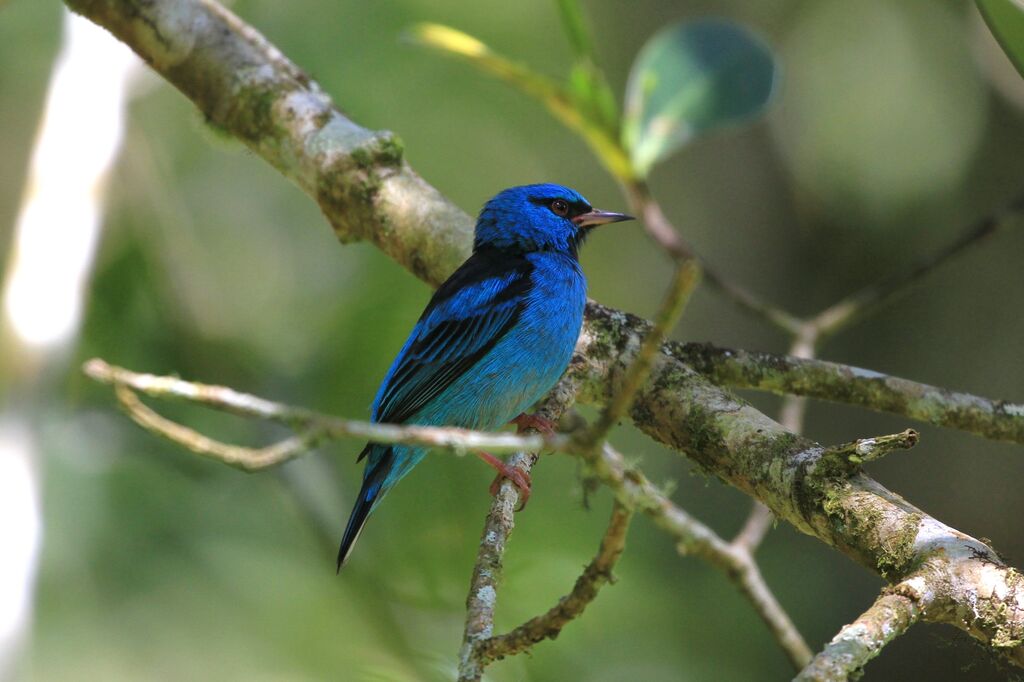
375 484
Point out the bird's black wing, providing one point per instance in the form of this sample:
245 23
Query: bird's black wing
466 317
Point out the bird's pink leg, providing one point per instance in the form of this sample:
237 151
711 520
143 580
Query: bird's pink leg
518 477
533 421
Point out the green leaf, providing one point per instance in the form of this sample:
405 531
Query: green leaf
1005 18
691 78
576 30
594 97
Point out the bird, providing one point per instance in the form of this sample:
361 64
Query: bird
494 339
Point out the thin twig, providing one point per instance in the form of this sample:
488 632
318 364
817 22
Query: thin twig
247 459
842 461
315 427
219 397
874 296
481 602
634 491
835 382
759 520
870 449
667 237
892 614
791 416
548 625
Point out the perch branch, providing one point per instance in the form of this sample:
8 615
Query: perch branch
319 428
499 524
487 570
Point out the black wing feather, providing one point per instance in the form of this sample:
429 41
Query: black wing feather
459 327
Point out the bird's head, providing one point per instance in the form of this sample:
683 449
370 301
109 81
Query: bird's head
539 218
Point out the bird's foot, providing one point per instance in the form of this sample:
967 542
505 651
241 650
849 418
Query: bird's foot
519 478
533 421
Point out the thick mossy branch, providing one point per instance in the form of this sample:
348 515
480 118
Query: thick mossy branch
823 380
730 439
685 280
890 616
246 86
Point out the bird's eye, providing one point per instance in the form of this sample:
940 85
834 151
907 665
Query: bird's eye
560 207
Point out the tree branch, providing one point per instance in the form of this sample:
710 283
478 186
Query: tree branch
874 296
823 380
487 570
854 514
791 416
842 461
667 237
548 625
890 616
870 449
314 428
245 86
634 491
246 459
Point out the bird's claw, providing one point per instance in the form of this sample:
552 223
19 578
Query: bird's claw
519 478
534 421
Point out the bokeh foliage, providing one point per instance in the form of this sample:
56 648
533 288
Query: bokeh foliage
886 139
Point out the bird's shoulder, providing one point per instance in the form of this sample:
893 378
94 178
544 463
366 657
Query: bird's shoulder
487 280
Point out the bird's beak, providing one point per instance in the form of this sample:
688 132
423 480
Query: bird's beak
596 217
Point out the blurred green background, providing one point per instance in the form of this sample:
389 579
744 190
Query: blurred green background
887 138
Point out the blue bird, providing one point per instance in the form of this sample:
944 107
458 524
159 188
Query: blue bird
495 337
